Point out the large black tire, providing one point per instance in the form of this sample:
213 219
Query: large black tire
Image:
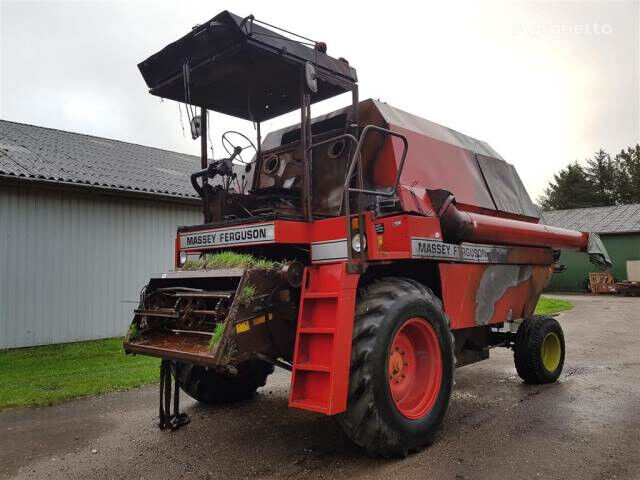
210 387
372 419
531 350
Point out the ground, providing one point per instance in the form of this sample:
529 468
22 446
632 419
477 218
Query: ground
51 374
586 426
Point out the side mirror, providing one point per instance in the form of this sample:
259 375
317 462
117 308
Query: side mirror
310 76
196 127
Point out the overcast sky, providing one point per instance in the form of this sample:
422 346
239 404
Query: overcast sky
544 83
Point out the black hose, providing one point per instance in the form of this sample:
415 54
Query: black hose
194 181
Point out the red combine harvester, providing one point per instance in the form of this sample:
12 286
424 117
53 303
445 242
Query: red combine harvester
368 251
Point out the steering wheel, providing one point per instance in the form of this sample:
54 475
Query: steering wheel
230 146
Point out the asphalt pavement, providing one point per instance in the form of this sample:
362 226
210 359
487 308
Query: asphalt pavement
586 426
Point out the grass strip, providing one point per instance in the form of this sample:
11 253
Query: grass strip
54 373
550 306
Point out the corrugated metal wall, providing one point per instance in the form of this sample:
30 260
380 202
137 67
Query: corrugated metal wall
70 262
620 246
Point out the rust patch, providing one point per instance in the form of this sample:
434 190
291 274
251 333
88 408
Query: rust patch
494 283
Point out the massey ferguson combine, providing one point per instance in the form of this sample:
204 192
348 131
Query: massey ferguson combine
368 251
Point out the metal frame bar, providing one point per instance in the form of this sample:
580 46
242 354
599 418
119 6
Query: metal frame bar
204 162
250 19
305 138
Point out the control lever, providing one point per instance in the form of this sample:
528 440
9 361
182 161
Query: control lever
223 167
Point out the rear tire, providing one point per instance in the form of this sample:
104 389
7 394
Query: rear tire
210 387
539 350
401 368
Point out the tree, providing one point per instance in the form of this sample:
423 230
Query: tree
570 188
602 175
628 175
602 182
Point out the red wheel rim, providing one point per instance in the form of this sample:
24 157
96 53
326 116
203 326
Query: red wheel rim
415 368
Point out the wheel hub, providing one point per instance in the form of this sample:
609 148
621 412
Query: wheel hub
415 368
551 351
396 365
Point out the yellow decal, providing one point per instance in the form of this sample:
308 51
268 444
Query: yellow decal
242 327
259 320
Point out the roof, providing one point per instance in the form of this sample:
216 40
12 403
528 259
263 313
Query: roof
239 67
615 219
39 153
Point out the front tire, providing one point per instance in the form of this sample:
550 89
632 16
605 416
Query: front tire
401 368
212 388
539 351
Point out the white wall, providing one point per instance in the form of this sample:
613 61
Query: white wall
70 262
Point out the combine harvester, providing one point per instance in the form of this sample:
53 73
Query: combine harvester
368 251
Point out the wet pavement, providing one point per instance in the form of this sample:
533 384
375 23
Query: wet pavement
586 426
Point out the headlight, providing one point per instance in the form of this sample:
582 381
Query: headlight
355 242
183 257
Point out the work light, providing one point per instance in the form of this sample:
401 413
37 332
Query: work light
355 242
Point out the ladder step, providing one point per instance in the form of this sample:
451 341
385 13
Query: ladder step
318 330
311 405
321 294
313 367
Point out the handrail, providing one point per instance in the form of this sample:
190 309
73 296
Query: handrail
356 161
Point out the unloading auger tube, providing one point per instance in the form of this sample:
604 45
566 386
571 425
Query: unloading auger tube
463 226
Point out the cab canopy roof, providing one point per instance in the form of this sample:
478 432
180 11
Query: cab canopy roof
239 67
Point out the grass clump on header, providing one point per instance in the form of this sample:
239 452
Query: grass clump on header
247 294
133 332
216 261
192 264
217 335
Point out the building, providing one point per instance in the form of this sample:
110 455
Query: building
619 228
84 221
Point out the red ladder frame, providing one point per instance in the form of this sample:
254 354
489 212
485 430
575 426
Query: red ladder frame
322 355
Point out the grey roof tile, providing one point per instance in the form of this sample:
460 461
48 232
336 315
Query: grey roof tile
615 219
45 153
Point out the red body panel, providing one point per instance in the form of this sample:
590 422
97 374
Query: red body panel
328 229
392 240
474 295
293 232
390 237
436 164
176 252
